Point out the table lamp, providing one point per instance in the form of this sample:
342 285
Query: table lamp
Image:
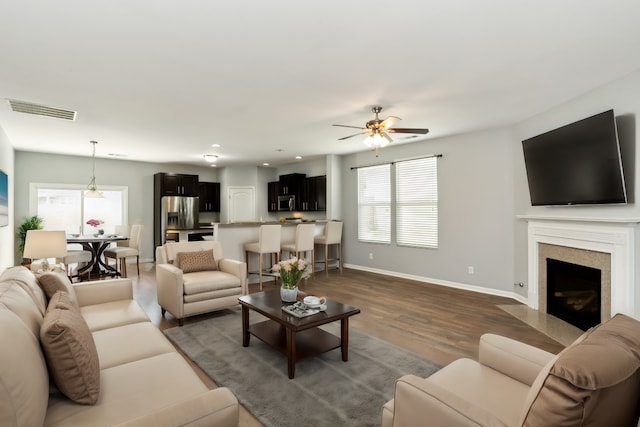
41 244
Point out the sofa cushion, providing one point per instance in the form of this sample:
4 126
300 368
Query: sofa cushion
27 281
70 350
193 261
14 298
199 282
24 381
129 391
112 314
55 281
598 372
129 343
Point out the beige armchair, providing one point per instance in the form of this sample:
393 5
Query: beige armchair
595 382
191 281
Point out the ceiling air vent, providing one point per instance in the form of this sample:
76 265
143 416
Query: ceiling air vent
41 110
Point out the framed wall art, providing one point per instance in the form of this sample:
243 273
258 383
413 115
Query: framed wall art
4 199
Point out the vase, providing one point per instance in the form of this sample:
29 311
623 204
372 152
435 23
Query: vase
288 294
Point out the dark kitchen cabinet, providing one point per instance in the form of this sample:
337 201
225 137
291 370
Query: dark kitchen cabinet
209 193
291 184
171 184
273 191
314 194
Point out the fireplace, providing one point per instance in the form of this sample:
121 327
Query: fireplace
574 293
607 245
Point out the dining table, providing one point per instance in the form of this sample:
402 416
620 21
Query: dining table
96 244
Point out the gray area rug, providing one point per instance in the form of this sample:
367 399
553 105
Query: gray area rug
325 391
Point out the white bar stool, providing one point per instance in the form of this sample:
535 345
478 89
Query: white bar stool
269 243
303 243
332 236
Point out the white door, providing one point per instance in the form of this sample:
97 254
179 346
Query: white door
242 204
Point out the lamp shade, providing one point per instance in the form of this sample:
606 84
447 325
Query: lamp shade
45 244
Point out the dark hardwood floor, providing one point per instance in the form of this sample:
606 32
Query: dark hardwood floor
439 323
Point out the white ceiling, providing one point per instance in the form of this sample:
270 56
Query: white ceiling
161 81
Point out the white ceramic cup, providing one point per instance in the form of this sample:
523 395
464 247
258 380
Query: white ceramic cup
313 302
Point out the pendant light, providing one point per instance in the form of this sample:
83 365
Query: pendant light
92 188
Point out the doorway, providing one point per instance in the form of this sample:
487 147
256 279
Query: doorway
242 204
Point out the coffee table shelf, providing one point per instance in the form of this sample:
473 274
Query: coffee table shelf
310 342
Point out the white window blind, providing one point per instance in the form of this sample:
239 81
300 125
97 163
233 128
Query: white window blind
374 204
417 203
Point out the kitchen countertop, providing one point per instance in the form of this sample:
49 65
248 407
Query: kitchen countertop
257 223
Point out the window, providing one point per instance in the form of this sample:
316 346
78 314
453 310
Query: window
63 207
414 203
374 204
417 203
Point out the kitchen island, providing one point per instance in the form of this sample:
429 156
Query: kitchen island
233 236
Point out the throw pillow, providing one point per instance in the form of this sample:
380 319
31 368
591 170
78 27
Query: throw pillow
55 281
599 371
70 351
189 262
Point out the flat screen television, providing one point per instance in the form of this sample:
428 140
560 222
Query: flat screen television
577 164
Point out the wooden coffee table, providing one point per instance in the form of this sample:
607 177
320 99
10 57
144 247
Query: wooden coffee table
296 338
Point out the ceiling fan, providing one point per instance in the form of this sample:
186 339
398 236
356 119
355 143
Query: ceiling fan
378 131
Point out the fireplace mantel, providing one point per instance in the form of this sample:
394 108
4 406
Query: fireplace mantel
615 236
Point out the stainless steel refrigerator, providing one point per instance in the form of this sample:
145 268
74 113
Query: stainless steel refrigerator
177 213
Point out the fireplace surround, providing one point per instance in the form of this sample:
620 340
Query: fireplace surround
606 244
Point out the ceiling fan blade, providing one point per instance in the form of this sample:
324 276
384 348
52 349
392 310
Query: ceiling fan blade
351 136
408 130
386 123
387 137
347 126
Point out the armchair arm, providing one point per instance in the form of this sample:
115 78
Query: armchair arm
170 289
518 360
217 407
238 269
102 291
419 402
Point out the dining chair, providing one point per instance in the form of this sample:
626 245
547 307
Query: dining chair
121 253
268 243
303 243
332 236
79 258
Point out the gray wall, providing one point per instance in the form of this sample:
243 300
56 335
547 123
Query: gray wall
482 187
476 216
7 234
138 176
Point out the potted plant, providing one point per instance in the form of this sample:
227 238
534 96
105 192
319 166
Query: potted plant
30 223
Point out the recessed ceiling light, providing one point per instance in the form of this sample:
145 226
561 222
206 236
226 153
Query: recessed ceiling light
117 155
298 157
265 164
214 166
215 145
210 157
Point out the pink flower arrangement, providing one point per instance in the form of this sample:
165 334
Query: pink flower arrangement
291 271
95 222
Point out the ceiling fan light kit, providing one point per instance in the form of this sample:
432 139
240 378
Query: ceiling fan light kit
378 131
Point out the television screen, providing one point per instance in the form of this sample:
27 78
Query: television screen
577 164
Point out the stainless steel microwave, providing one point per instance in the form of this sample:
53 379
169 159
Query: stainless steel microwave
286 203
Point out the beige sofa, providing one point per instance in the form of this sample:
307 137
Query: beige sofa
141 379
194 278
593 382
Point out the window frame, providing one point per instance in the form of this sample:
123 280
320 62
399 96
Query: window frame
35 186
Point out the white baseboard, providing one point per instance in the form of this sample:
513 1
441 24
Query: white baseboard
463 286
